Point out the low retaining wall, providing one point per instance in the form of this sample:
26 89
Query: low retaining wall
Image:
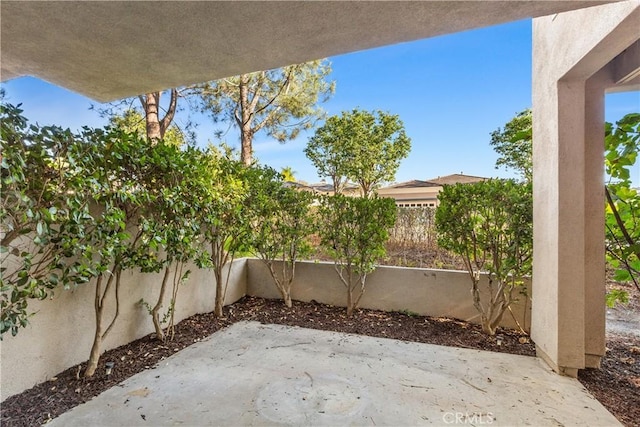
60 334
428 292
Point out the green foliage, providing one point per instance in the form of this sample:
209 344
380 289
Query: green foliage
37 212
77 207
106 168
615 296
288 174
281 224
622 144
222 214
280 102
69 202
360 146
354 231
513 144
169 228
490 225
66 203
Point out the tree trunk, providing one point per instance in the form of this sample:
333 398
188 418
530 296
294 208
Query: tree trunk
150 106
286 297
219 296
283 286
246 142
155 312
486 327
349 303
94 355
246 133
99 336
155 126
219 300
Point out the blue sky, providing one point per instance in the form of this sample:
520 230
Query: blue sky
450 91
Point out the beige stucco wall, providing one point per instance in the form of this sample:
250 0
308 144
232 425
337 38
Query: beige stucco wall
427 292
423 195
571 53
60 334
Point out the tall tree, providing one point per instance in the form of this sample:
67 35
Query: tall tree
153 118
513 144
132 121
281 102
360 146
156 126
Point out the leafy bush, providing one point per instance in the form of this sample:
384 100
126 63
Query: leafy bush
354 231
490 225
281 224
39 216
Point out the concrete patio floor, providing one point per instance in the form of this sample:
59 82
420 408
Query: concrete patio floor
253 374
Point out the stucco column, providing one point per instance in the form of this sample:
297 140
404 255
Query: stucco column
571 69
594 198
558 316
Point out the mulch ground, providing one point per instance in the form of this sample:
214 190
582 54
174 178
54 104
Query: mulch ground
616 385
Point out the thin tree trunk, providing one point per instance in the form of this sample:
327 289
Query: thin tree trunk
177 281
219 297
285 291
349 302
94 355
99 301
350 291
287 300
362 280
216 256
244 122
155 312
287 281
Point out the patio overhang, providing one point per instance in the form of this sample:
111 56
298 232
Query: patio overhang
109 50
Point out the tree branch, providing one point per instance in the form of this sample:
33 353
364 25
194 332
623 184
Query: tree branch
171 111
616 214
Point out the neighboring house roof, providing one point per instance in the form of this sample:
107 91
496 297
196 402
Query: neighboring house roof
297 185
436 182
457 178
322 187
414 184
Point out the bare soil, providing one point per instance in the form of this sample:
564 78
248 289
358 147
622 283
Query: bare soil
616 385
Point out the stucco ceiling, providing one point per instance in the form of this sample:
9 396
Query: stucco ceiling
109 50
